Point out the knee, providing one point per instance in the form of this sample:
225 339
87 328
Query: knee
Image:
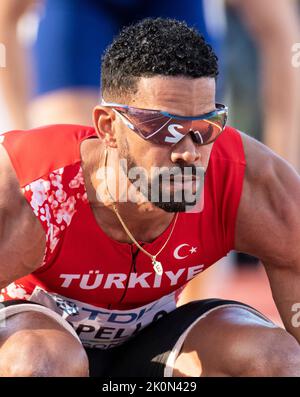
274 353
36 353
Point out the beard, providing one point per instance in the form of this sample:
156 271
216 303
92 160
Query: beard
156 190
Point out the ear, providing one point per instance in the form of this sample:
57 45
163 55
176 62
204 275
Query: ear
103 120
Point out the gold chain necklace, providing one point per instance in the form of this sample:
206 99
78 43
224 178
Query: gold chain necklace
157 266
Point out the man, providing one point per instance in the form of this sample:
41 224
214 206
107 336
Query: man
82 267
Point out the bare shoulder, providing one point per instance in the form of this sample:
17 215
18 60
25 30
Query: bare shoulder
268 222
22 241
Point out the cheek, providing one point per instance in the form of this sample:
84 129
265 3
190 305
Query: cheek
205 153
138 150
123 147
129 144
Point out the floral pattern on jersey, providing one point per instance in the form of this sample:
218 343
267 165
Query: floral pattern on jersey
13 291
54 200
77 180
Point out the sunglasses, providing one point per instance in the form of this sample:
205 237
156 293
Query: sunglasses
168 129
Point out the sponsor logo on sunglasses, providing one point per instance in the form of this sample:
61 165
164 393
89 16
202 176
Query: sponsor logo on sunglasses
176 136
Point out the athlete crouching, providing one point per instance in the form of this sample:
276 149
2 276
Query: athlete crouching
96 244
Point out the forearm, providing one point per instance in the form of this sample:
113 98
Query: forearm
285 285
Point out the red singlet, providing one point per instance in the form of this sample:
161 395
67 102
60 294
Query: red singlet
104 288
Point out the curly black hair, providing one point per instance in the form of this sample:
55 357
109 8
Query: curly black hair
155 47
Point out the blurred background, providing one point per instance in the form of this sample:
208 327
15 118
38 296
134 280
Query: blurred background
50 73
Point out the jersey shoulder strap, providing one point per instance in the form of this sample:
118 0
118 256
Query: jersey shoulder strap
37 152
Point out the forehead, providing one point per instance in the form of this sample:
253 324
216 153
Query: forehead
177 95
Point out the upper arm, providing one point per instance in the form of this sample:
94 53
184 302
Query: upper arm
22 239
268 222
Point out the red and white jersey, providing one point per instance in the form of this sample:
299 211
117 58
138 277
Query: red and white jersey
106 289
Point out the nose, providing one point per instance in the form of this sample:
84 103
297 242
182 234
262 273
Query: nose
185 150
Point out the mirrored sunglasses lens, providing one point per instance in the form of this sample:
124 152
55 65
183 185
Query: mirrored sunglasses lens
147 124
160 129
206 131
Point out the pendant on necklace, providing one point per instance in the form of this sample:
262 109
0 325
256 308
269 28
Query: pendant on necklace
157 266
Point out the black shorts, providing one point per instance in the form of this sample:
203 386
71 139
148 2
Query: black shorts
152 352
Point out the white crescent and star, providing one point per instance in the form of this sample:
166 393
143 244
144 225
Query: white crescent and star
176 251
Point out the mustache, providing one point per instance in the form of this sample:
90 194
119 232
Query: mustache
181 169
